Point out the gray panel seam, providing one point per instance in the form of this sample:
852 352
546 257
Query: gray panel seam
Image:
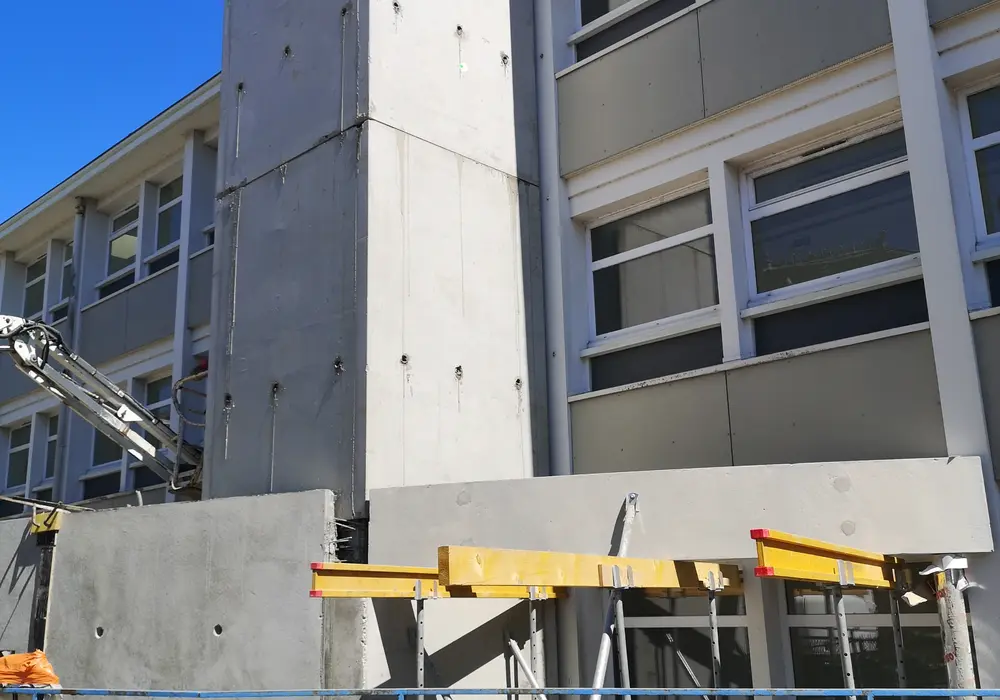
701 62
729 419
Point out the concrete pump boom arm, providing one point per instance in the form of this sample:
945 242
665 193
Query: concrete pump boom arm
38 351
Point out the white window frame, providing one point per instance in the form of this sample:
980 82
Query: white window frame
169 247
987 243
26 447
51 443
662 328
115 234
164 403
847 283
64 294
40 314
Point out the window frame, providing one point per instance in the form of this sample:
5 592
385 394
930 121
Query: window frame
847 283
64 295
51 443
659 329
166 250
113 235
11 450
40 280
987 243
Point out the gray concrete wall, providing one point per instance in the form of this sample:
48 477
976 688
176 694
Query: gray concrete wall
129 320
940 10
825 500
873 400
704 63
18 561
158 579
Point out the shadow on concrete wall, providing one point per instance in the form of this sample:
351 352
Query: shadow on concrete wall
16 584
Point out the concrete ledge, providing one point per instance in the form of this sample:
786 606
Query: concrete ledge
890 506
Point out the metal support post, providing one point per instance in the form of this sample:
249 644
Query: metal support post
533 642
713 625
955 629
845 639
897 639
419 599
604 653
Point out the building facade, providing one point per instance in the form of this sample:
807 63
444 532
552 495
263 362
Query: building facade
758 243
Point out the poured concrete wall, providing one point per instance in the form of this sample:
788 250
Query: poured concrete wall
157 580
18 560
871 400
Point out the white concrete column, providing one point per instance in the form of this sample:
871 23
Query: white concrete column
925 105
730 261
38 451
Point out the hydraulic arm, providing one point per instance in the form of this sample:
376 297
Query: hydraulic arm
38 350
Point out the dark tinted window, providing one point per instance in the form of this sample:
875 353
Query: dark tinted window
659 359
101 486
984 112
145 477
988 168
869 312
627 27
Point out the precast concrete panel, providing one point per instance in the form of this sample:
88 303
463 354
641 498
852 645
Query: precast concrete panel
13 382
149 310
199 303
987 336
751 48
284 359
210 594
290 79
460 74
18 562
940 10
693 513
684 423
638 92
103 329
447 354
872 400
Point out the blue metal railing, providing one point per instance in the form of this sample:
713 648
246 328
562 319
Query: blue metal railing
404 693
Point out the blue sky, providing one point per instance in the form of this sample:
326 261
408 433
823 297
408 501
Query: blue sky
77 77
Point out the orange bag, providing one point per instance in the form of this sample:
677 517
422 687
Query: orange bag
27 669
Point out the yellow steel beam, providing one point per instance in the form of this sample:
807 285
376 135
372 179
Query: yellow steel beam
780 555
479 566
45 521
370 581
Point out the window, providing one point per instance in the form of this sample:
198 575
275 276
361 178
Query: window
984 132
655 294
61 309
842 216
51 447
98 486
34 289
668 640
44 495
591 10
815 647
122 244
106 450
168 213
208 234
158 402
18 455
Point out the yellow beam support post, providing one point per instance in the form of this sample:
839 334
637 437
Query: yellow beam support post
784 556
331 580
480 566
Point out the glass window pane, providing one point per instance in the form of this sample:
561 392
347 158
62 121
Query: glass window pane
44 495
101 486
143 477
168 226
17 468
106 450
816 658
67 282
655 658
845 232
988 167
50 459
34 298
831 166
683 353
121 252
655 286
656 224
171 191
8 509
116 286
53 426
984 112
165 261
36 270
641 604
68 252
125 218
158 390
19 437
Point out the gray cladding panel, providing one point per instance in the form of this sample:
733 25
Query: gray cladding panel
199 310
102 330
987 335
291 99
751 48
150 309
13 382
636 93
295 317
940 10
874 400
666 426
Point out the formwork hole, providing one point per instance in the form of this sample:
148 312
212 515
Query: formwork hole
218 630
99 632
